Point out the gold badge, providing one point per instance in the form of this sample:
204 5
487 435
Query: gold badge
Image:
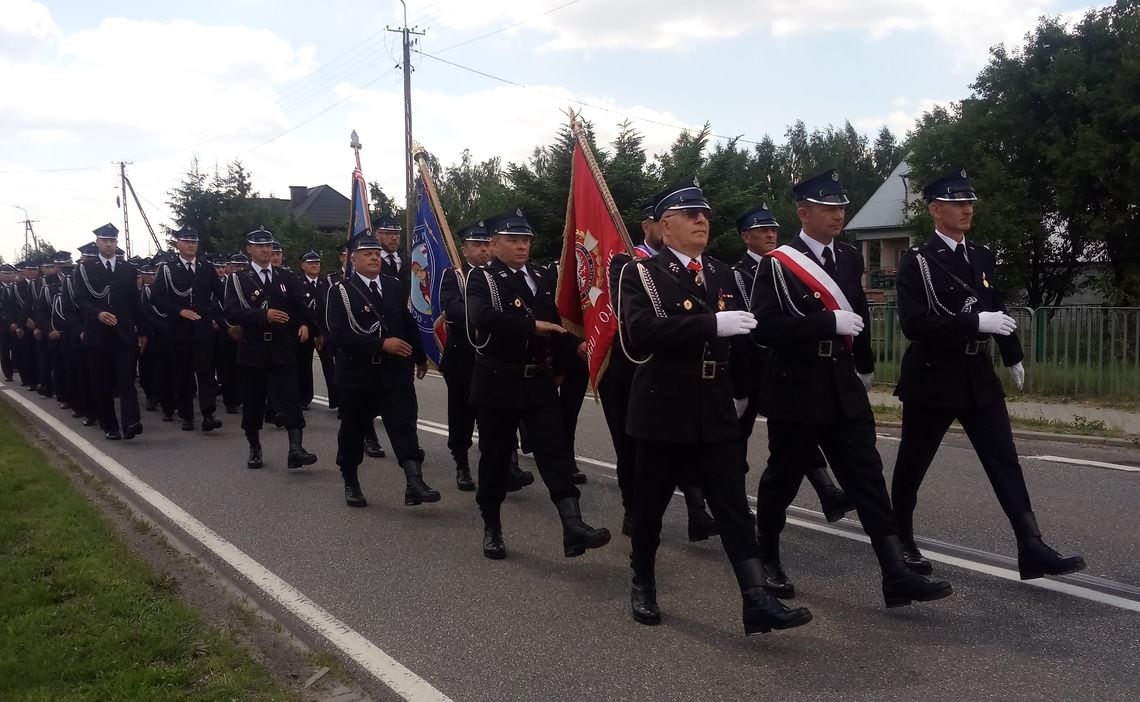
256 293
985 281
720 305
815 295
687 304
518 302
367 308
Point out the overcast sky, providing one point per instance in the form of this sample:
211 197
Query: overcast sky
281 84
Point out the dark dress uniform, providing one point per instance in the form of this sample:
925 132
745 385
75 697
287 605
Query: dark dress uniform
373 382
156 372
457 366
111 351
314 293
754 358
72 323
48 351
226 348
180 285
266 353
24 299
813 397
7 319
947 374
513 382
681 412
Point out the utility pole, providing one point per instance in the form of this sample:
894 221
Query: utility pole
28 233
410 195
126 225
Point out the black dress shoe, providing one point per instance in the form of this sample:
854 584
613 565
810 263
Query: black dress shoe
835 503
702 525
1035 559
210 423
353 497
901 585
167 417
65 405
187 425
762 612
230 409
579 477
113 435
518 479
463 479
133 430
577 535
254 461
914 558
76 414
643 601
88 422
372 449
776 581
493 545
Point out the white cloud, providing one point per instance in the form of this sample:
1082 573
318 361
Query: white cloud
902 117
25 26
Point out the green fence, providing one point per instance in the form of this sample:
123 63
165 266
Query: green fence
1073 351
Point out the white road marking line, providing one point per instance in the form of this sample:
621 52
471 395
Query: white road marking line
388 670
1085 462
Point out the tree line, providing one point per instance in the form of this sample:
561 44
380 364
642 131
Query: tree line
1050 135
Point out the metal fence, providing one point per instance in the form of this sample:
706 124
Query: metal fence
1072 351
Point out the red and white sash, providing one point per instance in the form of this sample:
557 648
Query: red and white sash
823 287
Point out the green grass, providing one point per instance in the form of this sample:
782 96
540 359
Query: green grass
1081 426
81 618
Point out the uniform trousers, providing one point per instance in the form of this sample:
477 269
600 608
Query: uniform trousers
79 377
60 372
614 393
717 469
497 427
112 370
7 343
327 354
571 393
815 459
226 363
305 374
460 416
397 407
28 364
47 356
988 430
849 446
260 383
193 366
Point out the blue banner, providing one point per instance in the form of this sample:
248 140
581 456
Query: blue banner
429 260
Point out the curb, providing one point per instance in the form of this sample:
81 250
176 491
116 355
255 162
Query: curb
1042 436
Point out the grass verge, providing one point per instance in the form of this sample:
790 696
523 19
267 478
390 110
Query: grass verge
81 618
1080 426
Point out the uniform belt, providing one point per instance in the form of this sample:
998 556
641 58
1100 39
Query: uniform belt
704 370
827 348
970 348
525 370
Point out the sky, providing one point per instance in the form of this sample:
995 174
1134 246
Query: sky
281 85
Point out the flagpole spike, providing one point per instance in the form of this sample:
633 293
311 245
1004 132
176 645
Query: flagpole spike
355 142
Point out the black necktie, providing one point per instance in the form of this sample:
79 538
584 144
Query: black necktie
109 268
190 267
960 249
829 262
374 288
265 275
392 262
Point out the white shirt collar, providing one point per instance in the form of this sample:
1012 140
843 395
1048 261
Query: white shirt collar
394 254
683 258
312 280
187 262
816 247
369 281
530 278
949 242
104 261
258 269
755 256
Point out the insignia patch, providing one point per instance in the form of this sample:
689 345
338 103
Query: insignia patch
985 281
518 302
519 212
835 176
963 173
696 183
815 295
720 304
687 304
256 293
368 308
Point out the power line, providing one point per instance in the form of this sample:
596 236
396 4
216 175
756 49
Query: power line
626 115
508 27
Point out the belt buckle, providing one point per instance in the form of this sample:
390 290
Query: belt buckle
376 359
972 348
825 348
708 370
267 336
529 370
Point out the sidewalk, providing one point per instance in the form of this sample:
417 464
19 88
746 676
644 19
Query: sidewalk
1122 420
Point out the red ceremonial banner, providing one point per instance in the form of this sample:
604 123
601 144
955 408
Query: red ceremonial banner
591 240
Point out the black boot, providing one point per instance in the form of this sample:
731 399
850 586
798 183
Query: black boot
577 536
254 461
372 447
493 545
417 491
210 423
901 585
761 611
643 600
298 456
353 497
834 502
911 555
775 579
701 523
463 479
578 477
1034 557
517 478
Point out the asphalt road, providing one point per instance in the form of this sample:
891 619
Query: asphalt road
539 626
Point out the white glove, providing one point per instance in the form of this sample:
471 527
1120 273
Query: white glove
847 323
734 323
868 380
741 405
1017 374
996 323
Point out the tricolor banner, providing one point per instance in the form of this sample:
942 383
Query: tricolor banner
808 272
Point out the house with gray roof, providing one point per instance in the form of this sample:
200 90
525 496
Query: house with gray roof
883 220
326 208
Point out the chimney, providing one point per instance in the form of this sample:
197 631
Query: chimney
297 194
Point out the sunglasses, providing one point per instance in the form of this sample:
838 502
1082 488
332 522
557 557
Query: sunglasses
692 214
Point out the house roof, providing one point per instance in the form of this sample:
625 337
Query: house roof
322 205
887 207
